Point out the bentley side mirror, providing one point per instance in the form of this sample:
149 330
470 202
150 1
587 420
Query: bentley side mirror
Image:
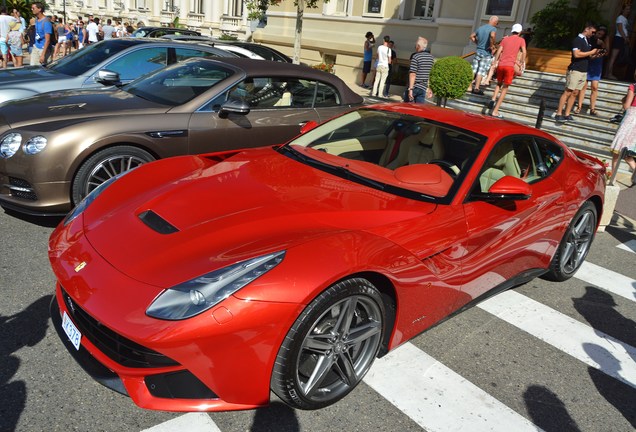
234 106
107 77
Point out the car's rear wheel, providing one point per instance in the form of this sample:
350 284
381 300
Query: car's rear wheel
575 244
105 164
331 346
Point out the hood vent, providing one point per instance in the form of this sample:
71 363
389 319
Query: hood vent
157 223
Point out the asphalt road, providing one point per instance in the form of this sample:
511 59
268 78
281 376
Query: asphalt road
559 357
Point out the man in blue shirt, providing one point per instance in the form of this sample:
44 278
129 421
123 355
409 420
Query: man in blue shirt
484 37
43 31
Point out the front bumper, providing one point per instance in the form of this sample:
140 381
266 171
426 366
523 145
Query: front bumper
217 361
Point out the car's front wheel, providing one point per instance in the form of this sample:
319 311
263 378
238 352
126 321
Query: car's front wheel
331 345
105 164
575 244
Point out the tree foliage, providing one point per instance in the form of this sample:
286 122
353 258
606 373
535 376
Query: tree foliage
450 77
558 23
256 9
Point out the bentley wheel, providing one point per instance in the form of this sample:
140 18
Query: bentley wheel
331 346
104 165
575 244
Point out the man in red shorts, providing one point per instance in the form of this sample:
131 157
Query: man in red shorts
505 58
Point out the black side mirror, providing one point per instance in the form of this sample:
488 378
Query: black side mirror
234 106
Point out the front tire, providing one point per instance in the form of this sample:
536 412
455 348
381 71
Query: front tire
331 345
105 164
575 244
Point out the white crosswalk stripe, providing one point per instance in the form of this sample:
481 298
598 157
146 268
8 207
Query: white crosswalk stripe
608 280
579 340
437 398
191 422
629 246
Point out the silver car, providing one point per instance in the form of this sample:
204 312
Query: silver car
130 58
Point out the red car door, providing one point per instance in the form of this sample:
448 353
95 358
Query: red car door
506 238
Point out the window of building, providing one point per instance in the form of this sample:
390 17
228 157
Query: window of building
423 9
336 7
373 8
196 6
233 8
505 9
141 4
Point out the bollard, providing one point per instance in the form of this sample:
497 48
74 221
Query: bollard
540 114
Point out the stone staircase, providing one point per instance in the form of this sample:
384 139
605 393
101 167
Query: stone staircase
592 134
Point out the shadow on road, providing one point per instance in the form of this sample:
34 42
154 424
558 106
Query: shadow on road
43 221
547 411
24 329
275 418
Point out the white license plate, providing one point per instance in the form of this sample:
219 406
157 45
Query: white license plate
71 331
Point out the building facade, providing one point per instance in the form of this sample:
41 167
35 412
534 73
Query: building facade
334 31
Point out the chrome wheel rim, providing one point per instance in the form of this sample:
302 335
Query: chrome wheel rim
339 349
109 168
578 242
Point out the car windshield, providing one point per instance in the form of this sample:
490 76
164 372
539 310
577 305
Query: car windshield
403 154
80 61
179 83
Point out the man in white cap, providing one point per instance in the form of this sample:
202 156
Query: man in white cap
506 58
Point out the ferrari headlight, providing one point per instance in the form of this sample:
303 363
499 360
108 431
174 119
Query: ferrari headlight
35 145
10 144
198 295
88 199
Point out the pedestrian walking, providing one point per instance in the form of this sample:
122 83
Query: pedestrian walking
484 37
392 66
369 43
41 53
621 39
507 58
419 72
594 70
624 137
576 75
382 68
15 40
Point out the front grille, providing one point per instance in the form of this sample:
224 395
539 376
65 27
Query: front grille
118 348
21 189
178 385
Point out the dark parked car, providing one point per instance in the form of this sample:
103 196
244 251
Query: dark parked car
57 147
129 57
157 32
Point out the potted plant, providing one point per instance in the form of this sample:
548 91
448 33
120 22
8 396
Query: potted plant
450 77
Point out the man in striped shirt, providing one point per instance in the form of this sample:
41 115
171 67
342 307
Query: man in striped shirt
419 71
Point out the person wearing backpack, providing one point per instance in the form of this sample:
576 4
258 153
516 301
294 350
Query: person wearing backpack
41 52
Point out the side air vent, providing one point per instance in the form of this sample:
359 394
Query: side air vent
157 223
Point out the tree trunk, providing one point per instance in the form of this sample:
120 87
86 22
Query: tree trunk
299 31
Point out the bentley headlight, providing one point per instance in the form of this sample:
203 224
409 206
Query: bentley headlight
10 144
35 145
200 294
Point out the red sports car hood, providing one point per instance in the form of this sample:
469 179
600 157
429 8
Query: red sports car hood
253 203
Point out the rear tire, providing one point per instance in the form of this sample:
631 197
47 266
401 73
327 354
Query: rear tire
331 346
105 164
575 244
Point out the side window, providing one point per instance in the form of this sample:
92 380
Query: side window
263 92
186 53
514 157
139 62
550 155
326 96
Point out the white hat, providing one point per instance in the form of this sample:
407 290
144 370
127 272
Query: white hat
517 28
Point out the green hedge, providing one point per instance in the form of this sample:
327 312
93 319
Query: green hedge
450 77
